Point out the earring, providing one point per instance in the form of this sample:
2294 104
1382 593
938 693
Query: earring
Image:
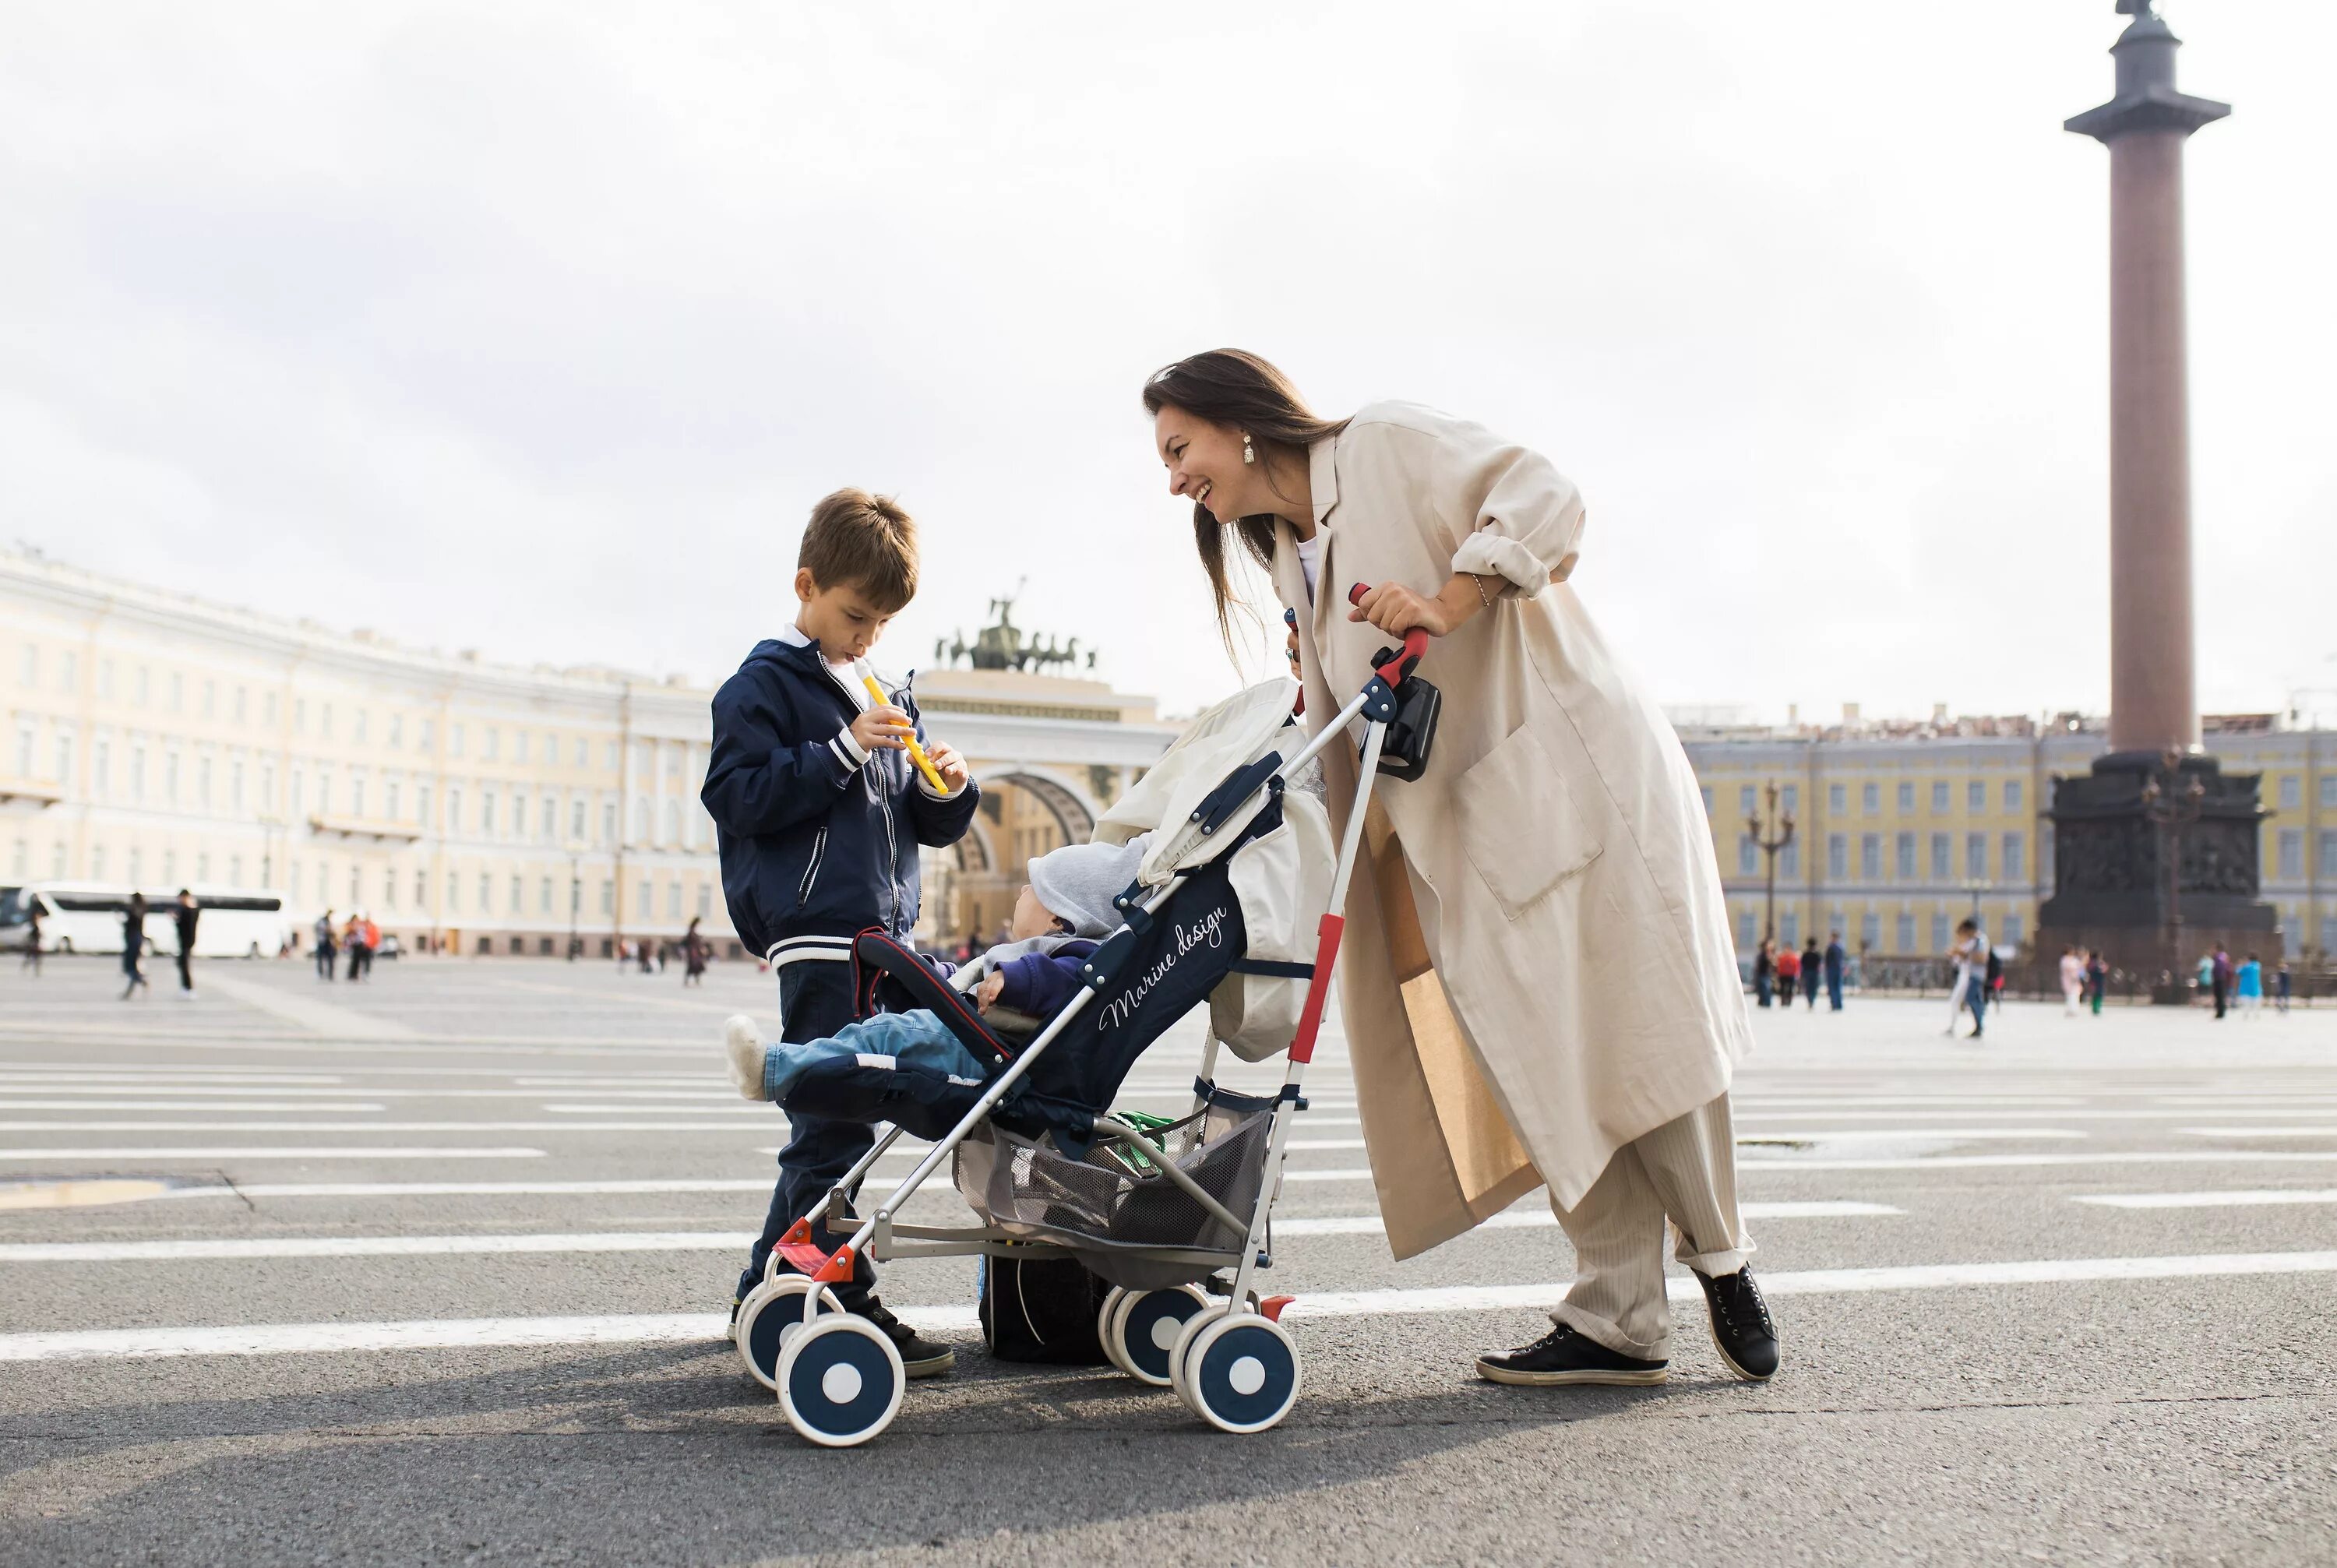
1249 453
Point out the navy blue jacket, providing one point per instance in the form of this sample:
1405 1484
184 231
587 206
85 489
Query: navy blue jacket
1039 983
811 845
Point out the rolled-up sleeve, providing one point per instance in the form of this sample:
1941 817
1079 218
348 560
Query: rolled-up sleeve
1523 517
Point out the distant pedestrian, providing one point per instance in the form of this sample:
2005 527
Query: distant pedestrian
2282 984
665 950
1970 956
2073 982
1811 963
33 938
1764 970
184 917
2248 984
328 946
2097 978
2219 976
1836 960
133 943
643 951
1789 977
694 950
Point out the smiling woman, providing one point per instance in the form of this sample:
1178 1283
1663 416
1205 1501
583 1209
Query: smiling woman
1546 989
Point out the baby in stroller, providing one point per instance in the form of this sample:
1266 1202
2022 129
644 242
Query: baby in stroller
1062 914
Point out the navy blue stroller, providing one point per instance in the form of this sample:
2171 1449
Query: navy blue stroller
1035 1148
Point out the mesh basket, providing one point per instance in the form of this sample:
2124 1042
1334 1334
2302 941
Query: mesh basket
1099 1202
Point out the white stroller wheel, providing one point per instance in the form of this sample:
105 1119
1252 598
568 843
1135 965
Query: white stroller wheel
1145 1327
1176 1352
1240 1372
840 1381
769 1317
1104 1327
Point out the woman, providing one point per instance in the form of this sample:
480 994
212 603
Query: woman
1538 978
1764 970
694 949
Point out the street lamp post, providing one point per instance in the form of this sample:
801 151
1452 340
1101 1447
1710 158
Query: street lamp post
576 895
2171 809
1772 834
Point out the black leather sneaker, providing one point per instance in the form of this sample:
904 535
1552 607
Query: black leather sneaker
920 1357
1741 1328
1564 1357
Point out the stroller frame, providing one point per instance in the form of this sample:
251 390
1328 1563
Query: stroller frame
840 1380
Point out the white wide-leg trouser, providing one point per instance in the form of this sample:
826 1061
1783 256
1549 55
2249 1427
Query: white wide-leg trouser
1685 1172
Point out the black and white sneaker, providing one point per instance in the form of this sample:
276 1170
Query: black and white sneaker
1741 1327
1563 1358
920 1357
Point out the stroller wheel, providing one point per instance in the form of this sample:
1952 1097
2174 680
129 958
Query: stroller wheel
1239 1372
769 1317
1145 1329
840 1381
1104 1315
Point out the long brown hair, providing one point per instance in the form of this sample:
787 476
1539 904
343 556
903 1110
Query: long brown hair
1234 387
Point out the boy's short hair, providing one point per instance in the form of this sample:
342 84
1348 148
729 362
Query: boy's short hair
856 540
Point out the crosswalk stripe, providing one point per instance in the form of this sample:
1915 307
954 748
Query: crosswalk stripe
172 1155
2326 1130
759 1123
2128 1157
163 1106
310 1338
2233 1200
491 1243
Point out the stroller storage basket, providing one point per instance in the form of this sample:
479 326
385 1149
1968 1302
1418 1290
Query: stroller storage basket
1113 1197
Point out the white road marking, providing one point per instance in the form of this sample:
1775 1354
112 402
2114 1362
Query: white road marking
760 1123
297 1099
166 1156
636 1328
1948 1161
2243 1199
488 1243
549 1189
1900 1134
2326 1130
162 1105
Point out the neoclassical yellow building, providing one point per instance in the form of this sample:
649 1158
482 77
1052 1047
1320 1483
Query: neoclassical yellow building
157 740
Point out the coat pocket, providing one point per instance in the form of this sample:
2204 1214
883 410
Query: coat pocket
1519 823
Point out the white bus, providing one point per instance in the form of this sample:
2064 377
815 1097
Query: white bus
86 917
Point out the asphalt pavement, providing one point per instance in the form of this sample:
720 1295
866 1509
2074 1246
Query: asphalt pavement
432 1270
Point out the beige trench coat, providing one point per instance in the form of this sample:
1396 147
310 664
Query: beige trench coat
1564 980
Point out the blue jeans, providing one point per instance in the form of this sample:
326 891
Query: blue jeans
1833 990
1976 997
815 1003
918 1039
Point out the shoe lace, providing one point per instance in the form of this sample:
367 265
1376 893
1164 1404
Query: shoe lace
1739 1291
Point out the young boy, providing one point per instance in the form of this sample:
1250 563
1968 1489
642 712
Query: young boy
1060 917
818 813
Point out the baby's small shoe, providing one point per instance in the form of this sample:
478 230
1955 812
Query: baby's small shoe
743 1044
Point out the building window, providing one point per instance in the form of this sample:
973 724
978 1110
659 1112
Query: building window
1789 861
389 886
1748 929
673 899
487 811
672 825
389 800
1942 853
486 893
421 889
608 896
550 817
424 733
608 822
1907 799
356 797
396 730
1838 857
1905 934
2328 788
1869 857
519 746
2292 791
422 806
544 897
1837 798
1789 929
1939 931
2016 858
1976 856
1748 858
2013 794
643 905
455 739
1791 799
1976 796
1870 800
705 899
235 786
1940 798
210 698
519 897
583 752
357 734
1745 800
576 819
2292 854
1869 932
453 810
266 705
490 745
2329 854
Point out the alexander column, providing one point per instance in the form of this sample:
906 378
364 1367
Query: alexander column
2156 851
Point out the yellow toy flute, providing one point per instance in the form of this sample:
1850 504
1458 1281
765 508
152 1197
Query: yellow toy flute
916 753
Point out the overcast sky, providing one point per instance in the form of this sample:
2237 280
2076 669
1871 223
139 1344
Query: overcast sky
538 328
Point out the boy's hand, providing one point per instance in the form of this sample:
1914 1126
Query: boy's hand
947 763
986 994
882 728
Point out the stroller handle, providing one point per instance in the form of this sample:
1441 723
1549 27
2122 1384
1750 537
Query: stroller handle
1415 644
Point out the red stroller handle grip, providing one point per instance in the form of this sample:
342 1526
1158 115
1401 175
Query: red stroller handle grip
1415 644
